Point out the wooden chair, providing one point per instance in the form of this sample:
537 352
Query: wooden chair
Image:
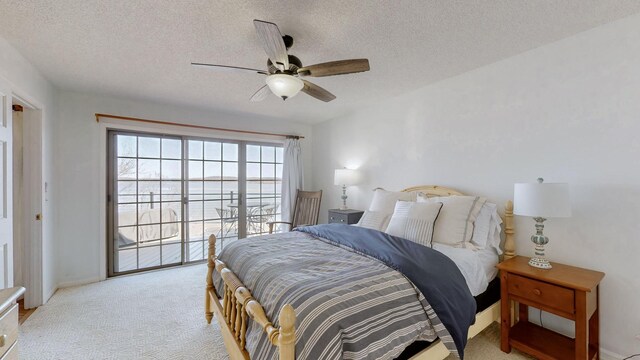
305 211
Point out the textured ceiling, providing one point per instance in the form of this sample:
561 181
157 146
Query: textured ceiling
142 49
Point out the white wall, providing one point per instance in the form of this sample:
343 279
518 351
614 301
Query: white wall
29 84
568 111
81 162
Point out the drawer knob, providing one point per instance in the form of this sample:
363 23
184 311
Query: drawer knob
341 220
537 292
331 218
3 340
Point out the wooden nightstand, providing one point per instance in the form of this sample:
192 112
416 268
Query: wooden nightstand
345 216
566 291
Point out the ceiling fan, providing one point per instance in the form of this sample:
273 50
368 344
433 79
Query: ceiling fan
284 71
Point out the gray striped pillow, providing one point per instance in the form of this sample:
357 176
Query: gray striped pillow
414 221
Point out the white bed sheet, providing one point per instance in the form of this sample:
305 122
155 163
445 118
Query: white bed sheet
477 266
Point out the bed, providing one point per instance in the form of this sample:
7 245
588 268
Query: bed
244 321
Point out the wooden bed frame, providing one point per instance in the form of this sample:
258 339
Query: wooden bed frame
238 305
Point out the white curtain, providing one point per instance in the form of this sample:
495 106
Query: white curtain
292 177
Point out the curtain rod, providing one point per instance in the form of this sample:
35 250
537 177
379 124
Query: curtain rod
98 116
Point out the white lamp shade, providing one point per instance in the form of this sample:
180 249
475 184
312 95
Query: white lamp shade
284 86
546 200
346 177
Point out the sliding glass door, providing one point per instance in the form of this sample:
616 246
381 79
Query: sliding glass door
213 195
167 194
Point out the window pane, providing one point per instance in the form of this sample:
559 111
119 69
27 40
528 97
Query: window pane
212 170
148 233
253 189
253 171
170 232
148 169
230 190
171 211
171 191
195 149
212 150
127 214
279 152
127 145
196 230
127 260
148 147
210 210
196 251
195 210
230 170
126 169
279 171
171 253
195 190
149 213
268 171
268 154
253 153
212 190
171 169
149 256
195 170
230 152
171 148
148 191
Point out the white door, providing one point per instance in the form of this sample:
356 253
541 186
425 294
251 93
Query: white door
6 189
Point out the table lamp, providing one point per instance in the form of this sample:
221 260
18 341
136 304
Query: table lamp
541 201
345 177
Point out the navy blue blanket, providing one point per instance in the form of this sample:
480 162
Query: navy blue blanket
434 274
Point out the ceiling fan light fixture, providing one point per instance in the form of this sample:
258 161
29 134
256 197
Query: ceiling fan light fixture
284 86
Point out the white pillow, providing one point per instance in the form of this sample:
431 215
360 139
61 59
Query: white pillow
385 201
455 223
414 221
376 220
482 225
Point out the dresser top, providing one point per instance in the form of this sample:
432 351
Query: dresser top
563 275
9 296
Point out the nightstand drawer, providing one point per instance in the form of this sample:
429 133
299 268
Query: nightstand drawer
348 217
338 218
8 328
553 296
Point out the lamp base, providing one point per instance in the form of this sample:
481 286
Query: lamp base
540 263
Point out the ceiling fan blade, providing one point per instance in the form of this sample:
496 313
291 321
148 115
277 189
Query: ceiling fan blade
231 68
261 94
317 92
272 42
335 68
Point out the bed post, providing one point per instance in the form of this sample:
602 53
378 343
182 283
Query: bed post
509 242
287 336
209 290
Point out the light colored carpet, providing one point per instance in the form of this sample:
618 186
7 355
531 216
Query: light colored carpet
156 315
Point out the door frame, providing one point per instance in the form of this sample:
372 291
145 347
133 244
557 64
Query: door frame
32 259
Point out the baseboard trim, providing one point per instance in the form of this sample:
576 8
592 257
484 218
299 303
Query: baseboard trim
67 284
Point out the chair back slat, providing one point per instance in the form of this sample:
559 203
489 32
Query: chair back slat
307 208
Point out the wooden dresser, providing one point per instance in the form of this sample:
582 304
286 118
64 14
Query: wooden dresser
9 323
566 291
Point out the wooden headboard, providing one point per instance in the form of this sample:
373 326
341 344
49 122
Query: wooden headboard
509 246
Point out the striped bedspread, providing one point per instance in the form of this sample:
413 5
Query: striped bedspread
348 305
